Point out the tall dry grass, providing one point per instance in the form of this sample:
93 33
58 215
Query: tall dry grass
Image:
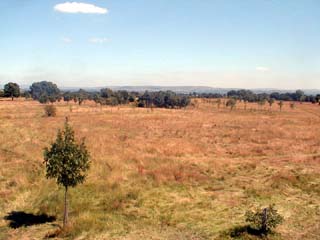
165 174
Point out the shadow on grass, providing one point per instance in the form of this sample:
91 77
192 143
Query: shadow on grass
22 219
245 232
240 230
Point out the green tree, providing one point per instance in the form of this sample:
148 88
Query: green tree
67 97
43 99
299 95
81 95
11 90
26 95
264 220
67 161
44 91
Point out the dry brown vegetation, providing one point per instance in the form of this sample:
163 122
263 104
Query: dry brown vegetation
165 174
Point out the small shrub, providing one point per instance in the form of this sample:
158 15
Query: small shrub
231 103
264 220
50 111
292 105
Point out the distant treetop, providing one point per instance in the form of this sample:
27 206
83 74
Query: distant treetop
44 91
11 90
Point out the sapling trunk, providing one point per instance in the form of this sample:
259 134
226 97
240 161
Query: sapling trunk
65 214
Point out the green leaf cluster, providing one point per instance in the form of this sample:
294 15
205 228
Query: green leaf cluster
66 160
11 90
264 220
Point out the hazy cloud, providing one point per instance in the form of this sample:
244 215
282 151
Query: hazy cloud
66 40
77 7
262 69
98 40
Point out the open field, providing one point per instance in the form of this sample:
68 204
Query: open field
165 174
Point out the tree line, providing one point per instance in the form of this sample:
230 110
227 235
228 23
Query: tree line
250 96
48 92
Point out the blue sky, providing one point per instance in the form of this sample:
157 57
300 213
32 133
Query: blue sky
218 43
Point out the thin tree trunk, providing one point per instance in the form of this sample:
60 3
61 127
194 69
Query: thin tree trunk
264 220
65 214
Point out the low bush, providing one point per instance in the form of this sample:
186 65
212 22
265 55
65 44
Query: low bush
264 220
50 111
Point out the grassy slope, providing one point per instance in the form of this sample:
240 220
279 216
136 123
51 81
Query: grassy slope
165 174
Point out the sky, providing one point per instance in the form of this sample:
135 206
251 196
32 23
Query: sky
217 43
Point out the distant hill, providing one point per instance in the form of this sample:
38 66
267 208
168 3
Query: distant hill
181 89
178 89
191 89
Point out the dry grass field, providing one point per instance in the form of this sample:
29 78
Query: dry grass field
164 174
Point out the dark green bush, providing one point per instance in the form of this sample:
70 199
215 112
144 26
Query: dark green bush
50 111
264 220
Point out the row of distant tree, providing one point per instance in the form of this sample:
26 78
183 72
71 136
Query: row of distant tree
249 96
48 92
